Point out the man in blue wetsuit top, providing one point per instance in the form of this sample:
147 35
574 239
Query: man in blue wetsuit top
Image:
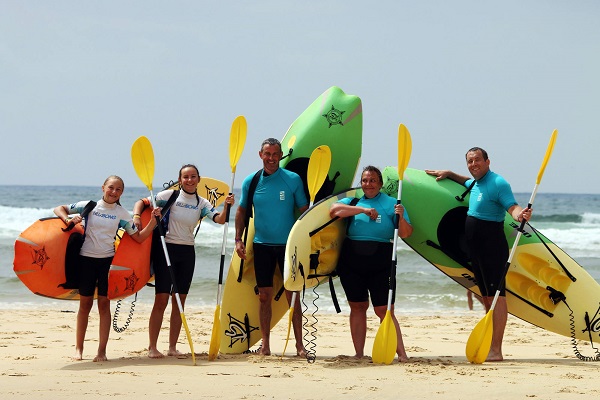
491 197
275 198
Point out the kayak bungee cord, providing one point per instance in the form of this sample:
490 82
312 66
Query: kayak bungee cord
552 253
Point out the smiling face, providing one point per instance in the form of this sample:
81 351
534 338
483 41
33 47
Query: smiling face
371 183
189 178
112 189
271 155
477 163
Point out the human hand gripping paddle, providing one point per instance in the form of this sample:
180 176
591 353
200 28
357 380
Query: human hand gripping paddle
318 168
480 339
142 157
237 140
386 339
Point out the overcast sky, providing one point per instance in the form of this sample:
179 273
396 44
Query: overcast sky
81 80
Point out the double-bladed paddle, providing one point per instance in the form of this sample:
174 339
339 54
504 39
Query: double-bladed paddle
237 140
318 168
386 339
480 339
142 157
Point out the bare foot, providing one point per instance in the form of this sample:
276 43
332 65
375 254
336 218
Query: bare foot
154 353
494 357
300 350
100 357
263 351
174 353
403 358
78 355
301 353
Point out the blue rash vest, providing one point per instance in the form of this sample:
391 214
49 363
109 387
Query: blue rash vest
491 197
274 201
361 227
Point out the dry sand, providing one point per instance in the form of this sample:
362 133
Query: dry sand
36 348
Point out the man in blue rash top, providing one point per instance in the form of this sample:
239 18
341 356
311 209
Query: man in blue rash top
277 194
491 197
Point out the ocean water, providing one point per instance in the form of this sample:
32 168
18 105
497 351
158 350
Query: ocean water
572 221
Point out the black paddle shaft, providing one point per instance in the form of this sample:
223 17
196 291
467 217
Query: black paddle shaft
167 259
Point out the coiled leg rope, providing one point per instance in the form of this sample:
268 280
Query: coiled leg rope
557 296
309 327
129 317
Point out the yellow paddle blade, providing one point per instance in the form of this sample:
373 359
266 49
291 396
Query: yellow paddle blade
386 341
318 168
480 339
215 338
189 337
547 156
404 149
142 157
287 339
237 140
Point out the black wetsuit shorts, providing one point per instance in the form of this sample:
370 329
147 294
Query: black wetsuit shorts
488 249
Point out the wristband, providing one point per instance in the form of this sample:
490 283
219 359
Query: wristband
136 216
238 240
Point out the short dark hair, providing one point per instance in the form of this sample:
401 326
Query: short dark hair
483 152
270 141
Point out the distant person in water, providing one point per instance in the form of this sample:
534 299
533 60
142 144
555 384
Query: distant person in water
470 299
97 253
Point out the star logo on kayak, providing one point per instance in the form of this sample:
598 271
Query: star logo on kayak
334 116
213 195
131 281
390 187
40 257
238 330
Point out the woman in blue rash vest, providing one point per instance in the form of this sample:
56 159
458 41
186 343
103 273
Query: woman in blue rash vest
97 253
365 258
181 218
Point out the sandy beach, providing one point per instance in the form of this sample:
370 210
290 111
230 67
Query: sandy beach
36 348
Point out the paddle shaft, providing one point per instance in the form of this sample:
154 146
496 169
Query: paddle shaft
167 258
480 340
549 150
385 345
142 157
224 244
173 281
394 262
513 250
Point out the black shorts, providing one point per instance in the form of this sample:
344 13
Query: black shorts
489 252
183 262
364 269
266 259
94 273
